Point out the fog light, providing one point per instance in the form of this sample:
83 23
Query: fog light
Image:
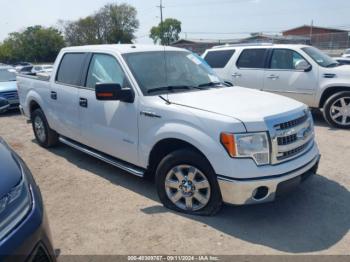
260 193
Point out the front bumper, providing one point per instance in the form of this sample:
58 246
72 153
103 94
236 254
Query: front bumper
255 191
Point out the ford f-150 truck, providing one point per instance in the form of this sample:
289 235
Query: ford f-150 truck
162 112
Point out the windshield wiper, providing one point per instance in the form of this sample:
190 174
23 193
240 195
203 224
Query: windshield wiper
332 65
210 84
171 88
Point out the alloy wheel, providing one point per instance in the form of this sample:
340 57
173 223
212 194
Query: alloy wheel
340 111
187 187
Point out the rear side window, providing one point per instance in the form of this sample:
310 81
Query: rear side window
218 59
252 58
70 69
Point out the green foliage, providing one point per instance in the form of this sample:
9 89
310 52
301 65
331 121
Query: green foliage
111 24
35 44
166 32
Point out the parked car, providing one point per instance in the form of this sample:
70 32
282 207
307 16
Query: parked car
20 65
24 229
8 89
26 70
42 69
343 60
346 54
300 72
172 118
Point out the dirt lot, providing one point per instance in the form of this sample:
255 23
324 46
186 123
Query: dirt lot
94 208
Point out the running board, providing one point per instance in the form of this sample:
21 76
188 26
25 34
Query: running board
106 158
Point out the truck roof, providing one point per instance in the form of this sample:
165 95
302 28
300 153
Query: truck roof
256 45
121 48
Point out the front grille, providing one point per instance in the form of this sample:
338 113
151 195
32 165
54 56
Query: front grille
10 95
292 123
293 151
290 138
287 140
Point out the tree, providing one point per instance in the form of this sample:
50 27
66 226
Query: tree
113 23
35 44
166 32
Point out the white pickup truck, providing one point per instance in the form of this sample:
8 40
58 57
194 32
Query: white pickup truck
300 72
162 112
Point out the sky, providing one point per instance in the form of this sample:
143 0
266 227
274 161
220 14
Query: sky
201 19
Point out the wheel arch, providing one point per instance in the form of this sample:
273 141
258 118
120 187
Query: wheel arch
163 147
33 105
329 91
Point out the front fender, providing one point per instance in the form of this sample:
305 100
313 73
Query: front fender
331 85
208 145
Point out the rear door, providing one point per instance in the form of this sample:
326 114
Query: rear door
220 61
248 71
108 126
64 95
281 76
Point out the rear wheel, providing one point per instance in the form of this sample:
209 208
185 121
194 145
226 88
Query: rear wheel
337 110
187 183
45 136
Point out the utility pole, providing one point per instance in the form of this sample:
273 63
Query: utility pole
161 20
311 29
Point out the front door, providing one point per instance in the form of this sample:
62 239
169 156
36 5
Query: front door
108 126
282 77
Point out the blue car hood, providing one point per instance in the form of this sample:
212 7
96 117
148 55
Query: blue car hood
10 172
8 86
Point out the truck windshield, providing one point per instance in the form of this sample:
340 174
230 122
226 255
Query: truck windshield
171 71
319 57
7 75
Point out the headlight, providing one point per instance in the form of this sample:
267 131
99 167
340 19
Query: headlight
252 145
14 206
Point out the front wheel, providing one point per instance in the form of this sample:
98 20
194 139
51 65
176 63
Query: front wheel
337 110
187 183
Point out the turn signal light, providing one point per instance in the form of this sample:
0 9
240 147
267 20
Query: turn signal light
228 141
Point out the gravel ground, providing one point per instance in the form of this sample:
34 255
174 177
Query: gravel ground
94 208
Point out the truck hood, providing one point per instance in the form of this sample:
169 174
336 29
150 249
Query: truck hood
10 172
8 86
249 106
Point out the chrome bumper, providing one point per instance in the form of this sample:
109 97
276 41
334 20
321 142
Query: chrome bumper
244 192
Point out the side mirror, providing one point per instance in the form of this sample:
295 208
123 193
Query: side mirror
302 65
114 92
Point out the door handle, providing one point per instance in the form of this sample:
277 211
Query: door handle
236 75
83 102
273 77
53 95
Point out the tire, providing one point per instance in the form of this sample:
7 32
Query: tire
338 104
201 183
45 136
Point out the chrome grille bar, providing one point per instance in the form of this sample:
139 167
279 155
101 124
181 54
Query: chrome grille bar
290 136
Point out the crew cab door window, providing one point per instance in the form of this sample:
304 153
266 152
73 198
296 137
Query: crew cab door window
105 69
252 58
218 58
70 69
285 59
